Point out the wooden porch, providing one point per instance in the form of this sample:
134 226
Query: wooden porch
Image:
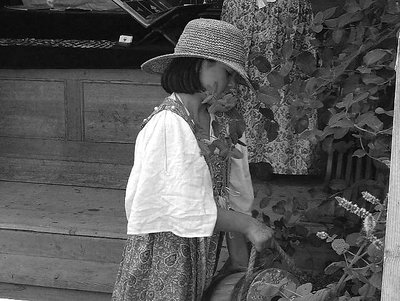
66 150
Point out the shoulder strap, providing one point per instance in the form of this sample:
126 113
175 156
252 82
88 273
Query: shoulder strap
174 106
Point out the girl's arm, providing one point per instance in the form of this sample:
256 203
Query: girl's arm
256 232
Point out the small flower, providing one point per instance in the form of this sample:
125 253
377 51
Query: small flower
370 198
369 224
376 241
322 235
353 208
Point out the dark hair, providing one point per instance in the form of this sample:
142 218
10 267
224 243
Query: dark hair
182 76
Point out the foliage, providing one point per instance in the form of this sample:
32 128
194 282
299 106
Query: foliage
350 80
362 262
348 76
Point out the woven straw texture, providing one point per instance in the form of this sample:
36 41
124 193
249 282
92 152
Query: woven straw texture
209 39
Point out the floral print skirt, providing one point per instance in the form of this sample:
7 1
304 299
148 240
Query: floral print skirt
163 266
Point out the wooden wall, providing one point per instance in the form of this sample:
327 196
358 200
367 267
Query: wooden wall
72 127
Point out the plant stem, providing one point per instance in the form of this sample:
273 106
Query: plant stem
343 279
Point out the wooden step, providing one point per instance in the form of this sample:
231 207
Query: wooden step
65 237
62 209
53 245
58 273
19 292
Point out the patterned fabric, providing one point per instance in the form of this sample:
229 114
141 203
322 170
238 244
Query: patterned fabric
163 266
264 33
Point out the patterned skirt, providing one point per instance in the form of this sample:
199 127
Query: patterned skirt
163 266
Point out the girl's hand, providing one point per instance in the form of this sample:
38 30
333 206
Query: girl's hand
259 234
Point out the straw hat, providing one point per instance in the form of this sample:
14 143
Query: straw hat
209 39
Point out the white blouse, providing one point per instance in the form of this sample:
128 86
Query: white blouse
170 188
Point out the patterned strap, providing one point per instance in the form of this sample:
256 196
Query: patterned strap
174 106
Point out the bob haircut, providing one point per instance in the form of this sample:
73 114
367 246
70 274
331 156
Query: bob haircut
183 76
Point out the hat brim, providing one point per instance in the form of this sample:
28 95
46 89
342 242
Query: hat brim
159 64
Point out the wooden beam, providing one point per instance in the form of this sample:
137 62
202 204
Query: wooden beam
73 108
391 268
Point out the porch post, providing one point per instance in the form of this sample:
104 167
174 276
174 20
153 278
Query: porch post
391 268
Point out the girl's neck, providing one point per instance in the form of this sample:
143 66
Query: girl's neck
198 112
193 104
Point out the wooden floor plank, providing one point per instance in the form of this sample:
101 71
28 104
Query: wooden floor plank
79 151
62 209
19 292
59 198
101 175
58 273
61 223
52 245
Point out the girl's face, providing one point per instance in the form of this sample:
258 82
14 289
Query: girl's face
216 77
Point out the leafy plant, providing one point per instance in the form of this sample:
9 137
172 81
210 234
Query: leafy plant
350 80
361 266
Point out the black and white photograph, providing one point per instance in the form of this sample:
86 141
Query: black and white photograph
199 150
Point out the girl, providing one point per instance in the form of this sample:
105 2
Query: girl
178 193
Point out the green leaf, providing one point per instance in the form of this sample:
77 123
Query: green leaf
262 64
367 290
275 79
319 18
363 69
311 85
347 101
306 62
336 117
372 79
332 23
279 208
353 239
374 251
380 110
359 153
337 35
329 12
366 3
286 68
304 289
271 127
390 18
360 97
352 6
344 19
344 123
374 56
317 28
348 18
268 95
334 267
370 120
265 202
